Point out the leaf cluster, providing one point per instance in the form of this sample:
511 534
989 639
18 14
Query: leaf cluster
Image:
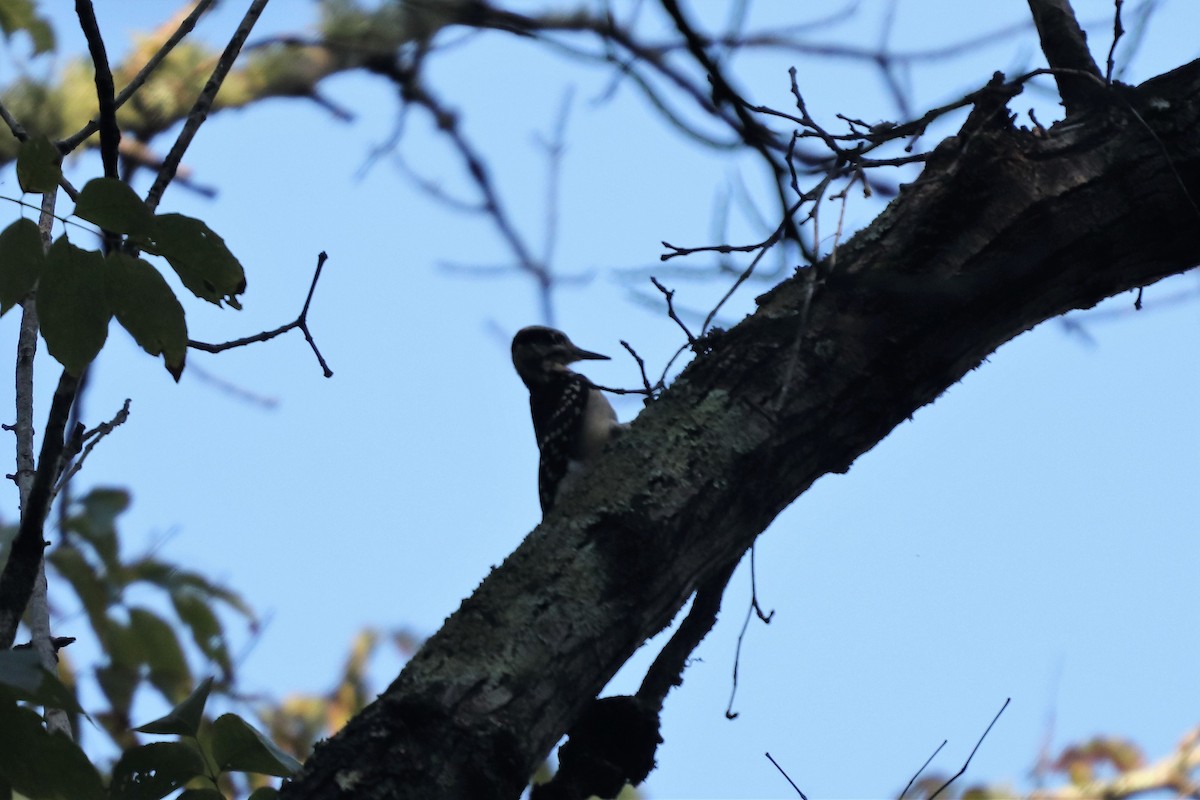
40 764
143 648
79 291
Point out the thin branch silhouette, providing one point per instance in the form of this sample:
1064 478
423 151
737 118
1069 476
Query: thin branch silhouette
974 749
300 322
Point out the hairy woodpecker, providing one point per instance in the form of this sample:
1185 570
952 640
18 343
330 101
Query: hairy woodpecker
572 420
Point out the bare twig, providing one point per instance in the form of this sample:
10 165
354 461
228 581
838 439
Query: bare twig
751 131
974 749
641 366
753 610
772 240
185 27
18 130
554 148
25 553
110 134
1118 32
917 774
737 662
300 322
138 154
667 669
26 351
669 294
786 777
38 611
246 396
1065 48
91 439
203 103
765 616
447 122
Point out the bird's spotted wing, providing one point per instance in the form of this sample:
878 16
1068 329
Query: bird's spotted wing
557 436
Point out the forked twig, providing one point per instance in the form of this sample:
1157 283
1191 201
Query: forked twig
300 322
967 763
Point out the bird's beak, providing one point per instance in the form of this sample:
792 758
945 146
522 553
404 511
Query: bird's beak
586 355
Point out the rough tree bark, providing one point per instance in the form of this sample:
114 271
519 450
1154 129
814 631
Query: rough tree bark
1005 229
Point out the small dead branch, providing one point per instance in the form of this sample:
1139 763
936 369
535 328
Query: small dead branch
641 367
786 777
300 322
669 294
89 440
1118 32
917 774
974 749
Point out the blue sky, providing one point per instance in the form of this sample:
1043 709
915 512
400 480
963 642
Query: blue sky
1032 534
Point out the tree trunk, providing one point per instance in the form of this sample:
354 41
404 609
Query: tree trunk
1006 228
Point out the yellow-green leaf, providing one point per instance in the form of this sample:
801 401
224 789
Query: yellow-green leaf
146 307
72 306
21 15
21 262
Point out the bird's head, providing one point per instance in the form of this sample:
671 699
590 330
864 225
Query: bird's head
539 353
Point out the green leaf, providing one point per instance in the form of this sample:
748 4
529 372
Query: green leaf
21 261
146 307
95 521
201 794
38 165
21 15
84 578
155 770
264 793
72 306
206 628
118 682
169 671
171 577
23 674
42 35
183 719
124 644
114 206
39 764
200 258
237 746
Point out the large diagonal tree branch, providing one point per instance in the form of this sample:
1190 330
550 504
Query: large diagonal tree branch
1005 229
